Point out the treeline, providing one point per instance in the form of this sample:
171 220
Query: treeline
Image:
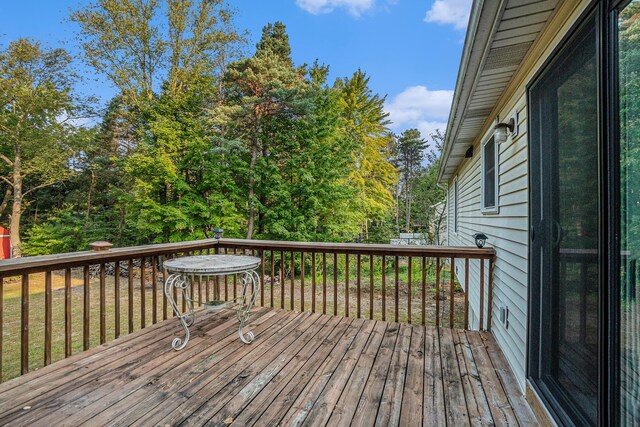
200 136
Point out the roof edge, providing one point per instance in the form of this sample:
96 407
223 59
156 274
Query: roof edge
483 21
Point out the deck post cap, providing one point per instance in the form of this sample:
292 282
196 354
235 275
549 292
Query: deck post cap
100 246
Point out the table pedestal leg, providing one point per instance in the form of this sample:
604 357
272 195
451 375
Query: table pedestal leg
178 281
250 287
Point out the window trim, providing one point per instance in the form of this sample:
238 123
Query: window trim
490 210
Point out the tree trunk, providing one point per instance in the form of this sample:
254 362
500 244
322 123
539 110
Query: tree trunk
16 211
252 183
407 206
88 213
398 206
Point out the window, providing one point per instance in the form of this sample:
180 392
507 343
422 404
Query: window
489 177
455 205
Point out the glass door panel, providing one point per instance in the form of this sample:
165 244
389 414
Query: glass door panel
629 107
566 221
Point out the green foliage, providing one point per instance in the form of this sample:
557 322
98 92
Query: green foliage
258 146
36 138
429 206
364 126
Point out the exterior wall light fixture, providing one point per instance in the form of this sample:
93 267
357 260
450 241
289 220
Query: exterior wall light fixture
481 239
502 130
217 233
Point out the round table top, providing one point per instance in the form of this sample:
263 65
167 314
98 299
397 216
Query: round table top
212 264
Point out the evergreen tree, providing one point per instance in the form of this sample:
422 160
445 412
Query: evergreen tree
365 127
409 153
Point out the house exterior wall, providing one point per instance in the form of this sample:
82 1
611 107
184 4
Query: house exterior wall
508 228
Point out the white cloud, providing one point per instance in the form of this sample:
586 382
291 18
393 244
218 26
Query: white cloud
418 104
420 108
317 7
450 12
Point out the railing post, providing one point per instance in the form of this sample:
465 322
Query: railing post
384 288
154 289
451 290
409 280
302 281
371 287
116 288
47 318
87 307
293 280
130 295
282 261
481 326
335 283
313 282
143 299
24 326
397 285
424 290
438 291
324 283
358 285
262 269
466 293
273 276
490 302
103 297
67 312
346 285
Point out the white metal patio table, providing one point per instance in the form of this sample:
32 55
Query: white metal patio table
182 269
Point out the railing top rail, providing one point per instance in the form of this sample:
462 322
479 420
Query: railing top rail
74 259
364 248
23 265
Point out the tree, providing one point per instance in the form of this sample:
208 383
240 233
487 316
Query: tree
365 127
409 156
263 87
429 199
36 106
138 51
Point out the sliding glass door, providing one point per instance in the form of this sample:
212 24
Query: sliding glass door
584 300
565 220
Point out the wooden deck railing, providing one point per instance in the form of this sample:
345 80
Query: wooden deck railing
50 305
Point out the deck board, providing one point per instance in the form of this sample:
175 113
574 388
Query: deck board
302 369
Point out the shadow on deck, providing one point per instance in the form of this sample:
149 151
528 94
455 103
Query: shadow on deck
302 369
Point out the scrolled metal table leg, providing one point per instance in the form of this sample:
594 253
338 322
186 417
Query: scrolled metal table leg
177 281
250 287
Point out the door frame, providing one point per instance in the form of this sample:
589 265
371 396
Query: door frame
609 229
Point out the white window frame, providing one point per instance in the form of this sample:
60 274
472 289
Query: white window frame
456 206
496 151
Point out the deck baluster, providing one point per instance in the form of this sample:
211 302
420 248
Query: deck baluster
116 296
24 326
47 318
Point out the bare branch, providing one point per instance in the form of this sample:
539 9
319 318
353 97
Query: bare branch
6 160
6 180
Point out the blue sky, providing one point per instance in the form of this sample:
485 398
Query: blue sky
410 48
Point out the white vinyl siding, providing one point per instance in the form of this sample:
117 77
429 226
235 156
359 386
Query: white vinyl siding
507 232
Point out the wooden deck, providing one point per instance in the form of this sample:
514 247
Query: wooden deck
302 369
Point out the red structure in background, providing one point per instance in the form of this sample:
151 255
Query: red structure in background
5 243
